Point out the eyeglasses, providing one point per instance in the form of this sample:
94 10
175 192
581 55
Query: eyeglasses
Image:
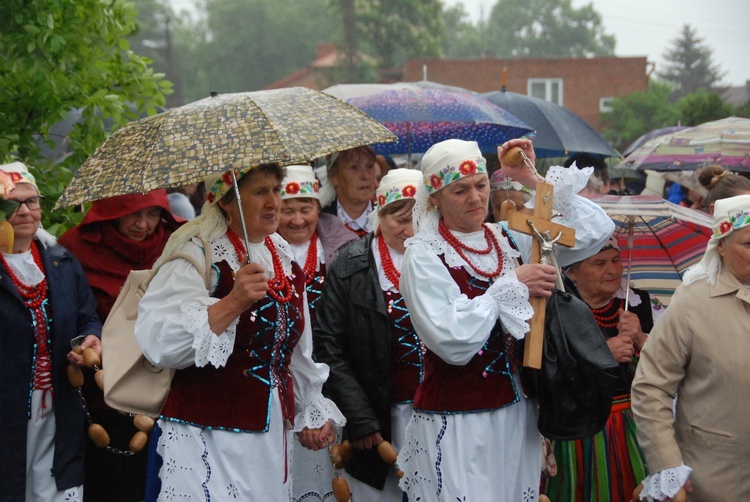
10 206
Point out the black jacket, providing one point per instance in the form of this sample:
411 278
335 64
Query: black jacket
352 335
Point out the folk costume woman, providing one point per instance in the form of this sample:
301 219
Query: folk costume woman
364 333
117 235
46 304
608 465
698 352
314 239
473 434
245 379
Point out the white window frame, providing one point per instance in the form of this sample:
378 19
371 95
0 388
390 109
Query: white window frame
605 104
548 83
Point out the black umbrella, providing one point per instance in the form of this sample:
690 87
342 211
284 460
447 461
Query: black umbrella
559 132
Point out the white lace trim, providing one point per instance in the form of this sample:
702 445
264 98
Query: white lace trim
314 414
396 257
567 181
209 348
511 296
512 304
665 484
633 299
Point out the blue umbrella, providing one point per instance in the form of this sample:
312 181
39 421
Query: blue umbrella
559 132
422 117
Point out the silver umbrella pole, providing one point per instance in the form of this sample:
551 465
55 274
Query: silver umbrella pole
242 214
631 228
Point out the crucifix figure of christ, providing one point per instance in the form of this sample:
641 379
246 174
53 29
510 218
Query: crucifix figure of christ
540 226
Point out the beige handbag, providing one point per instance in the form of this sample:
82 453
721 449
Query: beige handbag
131 383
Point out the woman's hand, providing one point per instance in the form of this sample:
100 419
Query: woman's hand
317 439
369 441
621 347
540 279
521 173
90 342
630 325
250 285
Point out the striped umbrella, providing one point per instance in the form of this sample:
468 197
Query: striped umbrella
659 240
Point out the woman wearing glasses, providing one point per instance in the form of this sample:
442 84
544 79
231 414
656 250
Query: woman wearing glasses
46 305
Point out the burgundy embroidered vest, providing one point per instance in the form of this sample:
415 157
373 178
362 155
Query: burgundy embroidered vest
485 383
238 395
407 352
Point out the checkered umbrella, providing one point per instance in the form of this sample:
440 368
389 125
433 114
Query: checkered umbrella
659 240
231 131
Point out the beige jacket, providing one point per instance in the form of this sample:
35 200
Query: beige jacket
699 350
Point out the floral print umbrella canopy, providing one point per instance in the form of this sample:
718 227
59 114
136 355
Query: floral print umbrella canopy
226 131
422 117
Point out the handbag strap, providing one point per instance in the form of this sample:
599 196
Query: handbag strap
192 261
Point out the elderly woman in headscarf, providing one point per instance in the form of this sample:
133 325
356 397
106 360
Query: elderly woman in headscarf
314 237
473 433
363 331
46 306
245 379
697 352
608 465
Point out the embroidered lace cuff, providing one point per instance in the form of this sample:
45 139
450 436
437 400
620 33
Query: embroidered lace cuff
568 181
511 303
314 414
209 348
665 484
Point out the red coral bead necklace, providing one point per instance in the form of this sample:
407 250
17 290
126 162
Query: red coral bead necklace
461 247
279 287
311 262
389 268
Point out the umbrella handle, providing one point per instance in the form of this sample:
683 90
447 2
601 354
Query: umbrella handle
242 215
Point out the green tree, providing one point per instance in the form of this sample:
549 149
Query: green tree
244 45
638 113
543 28
689 64
462 38
395 30
703 106
60 55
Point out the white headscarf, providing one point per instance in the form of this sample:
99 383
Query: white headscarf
730 214
398 184
444 163
299 182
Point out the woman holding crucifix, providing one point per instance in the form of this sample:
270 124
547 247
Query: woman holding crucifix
473 434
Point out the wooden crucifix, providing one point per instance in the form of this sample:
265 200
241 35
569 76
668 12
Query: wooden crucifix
545 233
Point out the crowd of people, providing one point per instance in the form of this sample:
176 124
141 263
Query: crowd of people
386 306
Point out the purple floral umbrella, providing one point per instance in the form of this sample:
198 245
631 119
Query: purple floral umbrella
422 117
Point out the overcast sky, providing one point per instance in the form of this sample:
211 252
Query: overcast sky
647 27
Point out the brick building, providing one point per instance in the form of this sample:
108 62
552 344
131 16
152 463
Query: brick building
585 86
